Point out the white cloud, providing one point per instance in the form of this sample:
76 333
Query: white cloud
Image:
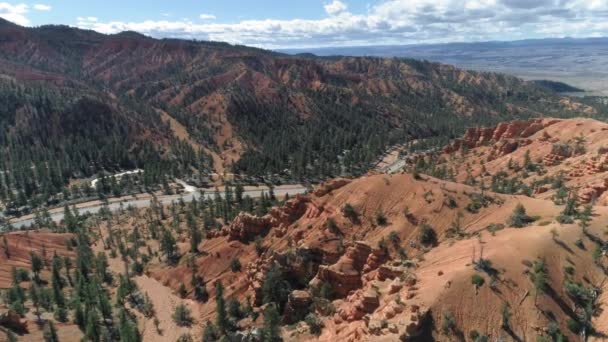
335 7
205 16
15 13
393 22
42 7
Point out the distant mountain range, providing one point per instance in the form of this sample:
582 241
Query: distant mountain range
581 62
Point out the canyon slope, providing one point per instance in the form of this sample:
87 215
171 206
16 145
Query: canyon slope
381 257
242 107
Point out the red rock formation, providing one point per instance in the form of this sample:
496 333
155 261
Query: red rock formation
256 273
375 259
504 132
358 305
246 226
390 272
345 274
297 306
592 191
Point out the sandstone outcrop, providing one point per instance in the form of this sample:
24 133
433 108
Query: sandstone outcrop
297 306
502 136
246 227
359 304
345 274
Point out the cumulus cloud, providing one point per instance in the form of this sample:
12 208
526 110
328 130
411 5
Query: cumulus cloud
205 16
393 22
15 13
42 7
335 7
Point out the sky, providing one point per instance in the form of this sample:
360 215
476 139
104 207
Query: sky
323 23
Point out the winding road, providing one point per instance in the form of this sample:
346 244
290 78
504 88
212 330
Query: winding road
144 201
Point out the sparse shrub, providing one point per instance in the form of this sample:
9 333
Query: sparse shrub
333 226
381 219
506 316
561 149
564 219
539 276
393 237
182 291
182 316
573 325
349 212
494 227
235 265
520 218
427 235
326 291
259 247
185 338
477 280
234 309
449 323
315 325
450 202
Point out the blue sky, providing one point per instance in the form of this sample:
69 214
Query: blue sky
318 23
225 11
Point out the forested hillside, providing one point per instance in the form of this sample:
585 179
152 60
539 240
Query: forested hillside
76 103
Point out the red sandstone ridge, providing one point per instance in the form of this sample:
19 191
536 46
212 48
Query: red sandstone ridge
512 130
572 150
245 226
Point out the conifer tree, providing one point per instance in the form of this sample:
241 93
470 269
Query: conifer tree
50 333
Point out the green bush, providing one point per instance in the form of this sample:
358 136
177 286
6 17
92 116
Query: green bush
573 325
427 236
314 324
477 280
349 212
381 219
449 323
520 218
235 265
182 316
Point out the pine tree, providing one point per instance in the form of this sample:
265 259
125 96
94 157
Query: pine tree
37 264
50 333
169 247
36 300
272 322
210 333
92 330
182 315
71 223
127 330
586 216
79 317
7 252
222 316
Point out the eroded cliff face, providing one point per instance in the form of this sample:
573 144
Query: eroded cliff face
506 137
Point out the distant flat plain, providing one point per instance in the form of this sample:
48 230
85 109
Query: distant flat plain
582 63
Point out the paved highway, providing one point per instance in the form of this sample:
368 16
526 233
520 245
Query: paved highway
57 214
